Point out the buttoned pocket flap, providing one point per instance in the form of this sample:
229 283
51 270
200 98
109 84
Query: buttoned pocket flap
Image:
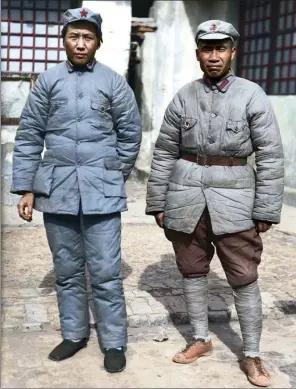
101 105
235 126
57 106
188 123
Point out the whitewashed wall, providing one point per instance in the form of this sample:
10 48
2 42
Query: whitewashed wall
116 27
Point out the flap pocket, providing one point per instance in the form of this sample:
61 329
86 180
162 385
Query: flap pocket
112 163
235 126
100 105
188 123
57 106
113 182
43 180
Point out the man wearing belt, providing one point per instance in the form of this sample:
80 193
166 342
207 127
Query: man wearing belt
204 194
87 117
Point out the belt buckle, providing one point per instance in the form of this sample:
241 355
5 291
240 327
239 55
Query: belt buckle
202 160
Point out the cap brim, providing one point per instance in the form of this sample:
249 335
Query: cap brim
89 21
214 36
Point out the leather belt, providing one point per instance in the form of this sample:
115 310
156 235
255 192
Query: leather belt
219 161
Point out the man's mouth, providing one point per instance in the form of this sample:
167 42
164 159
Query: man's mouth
214 67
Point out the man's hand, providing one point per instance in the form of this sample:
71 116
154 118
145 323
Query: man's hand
159 219
262 226
25 206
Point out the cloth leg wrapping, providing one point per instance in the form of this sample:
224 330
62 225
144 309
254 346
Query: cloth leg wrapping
196 297
249 310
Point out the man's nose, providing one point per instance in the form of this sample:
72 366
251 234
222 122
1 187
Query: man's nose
214 56
81 43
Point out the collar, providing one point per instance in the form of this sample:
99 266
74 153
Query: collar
82 68
222 85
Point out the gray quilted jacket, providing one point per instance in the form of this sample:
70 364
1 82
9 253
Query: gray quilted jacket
90 125
235 119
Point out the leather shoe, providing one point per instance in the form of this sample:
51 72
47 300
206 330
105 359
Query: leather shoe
66 349
192 351
114 361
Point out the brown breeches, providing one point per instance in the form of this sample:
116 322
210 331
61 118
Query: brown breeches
239 253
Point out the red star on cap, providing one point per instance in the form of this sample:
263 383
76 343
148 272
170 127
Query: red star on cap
83 13
213 27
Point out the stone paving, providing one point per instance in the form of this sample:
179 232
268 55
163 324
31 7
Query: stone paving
152 282
149 363
155 307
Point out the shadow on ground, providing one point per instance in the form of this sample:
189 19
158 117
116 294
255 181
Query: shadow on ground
162 280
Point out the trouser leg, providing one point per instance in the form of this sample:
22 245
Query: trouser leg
193 256
102 244
240 255
65 242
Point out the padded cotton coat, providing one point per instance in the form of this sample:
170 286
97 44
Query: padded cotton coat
235 120
90 125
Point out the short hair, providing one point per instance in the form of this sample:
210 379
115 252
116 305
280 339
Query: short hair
65 29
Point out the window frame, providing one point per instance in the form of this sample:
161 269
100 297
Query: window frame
275 30
9 7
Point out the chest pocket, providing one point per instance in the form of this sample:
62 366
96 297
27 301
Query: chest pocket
57 113
236 133
100 112
188 131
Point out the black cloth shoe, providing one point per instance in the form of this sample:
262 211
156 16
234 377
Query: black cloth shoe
114 361
66 349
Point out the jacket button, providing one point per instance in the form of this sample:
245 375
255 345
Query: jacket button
213 115
78 142
79 119
216 91
80 96
77 164
79 74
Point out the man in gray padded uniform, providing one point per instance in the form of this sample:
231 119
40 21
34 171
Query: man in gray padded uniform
204 194
87 117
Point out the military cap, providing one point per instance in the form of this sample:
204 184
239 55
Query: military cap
85 14
216 29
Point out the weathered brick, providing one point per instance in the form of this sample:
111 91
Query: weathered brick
27 327
176 303
36 313
140 306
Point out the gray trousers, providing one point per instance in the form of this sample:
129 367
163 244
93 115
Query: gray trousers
92 240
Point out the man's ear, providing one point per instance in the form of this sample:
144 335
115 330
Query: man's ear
197 54
233 52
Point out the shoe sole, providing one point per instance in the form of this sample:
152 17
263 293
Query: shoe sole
207 354
115 371
259 386
63 359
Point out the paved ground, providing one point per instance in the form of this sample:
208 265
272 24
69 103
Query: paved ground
149 363
154 298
